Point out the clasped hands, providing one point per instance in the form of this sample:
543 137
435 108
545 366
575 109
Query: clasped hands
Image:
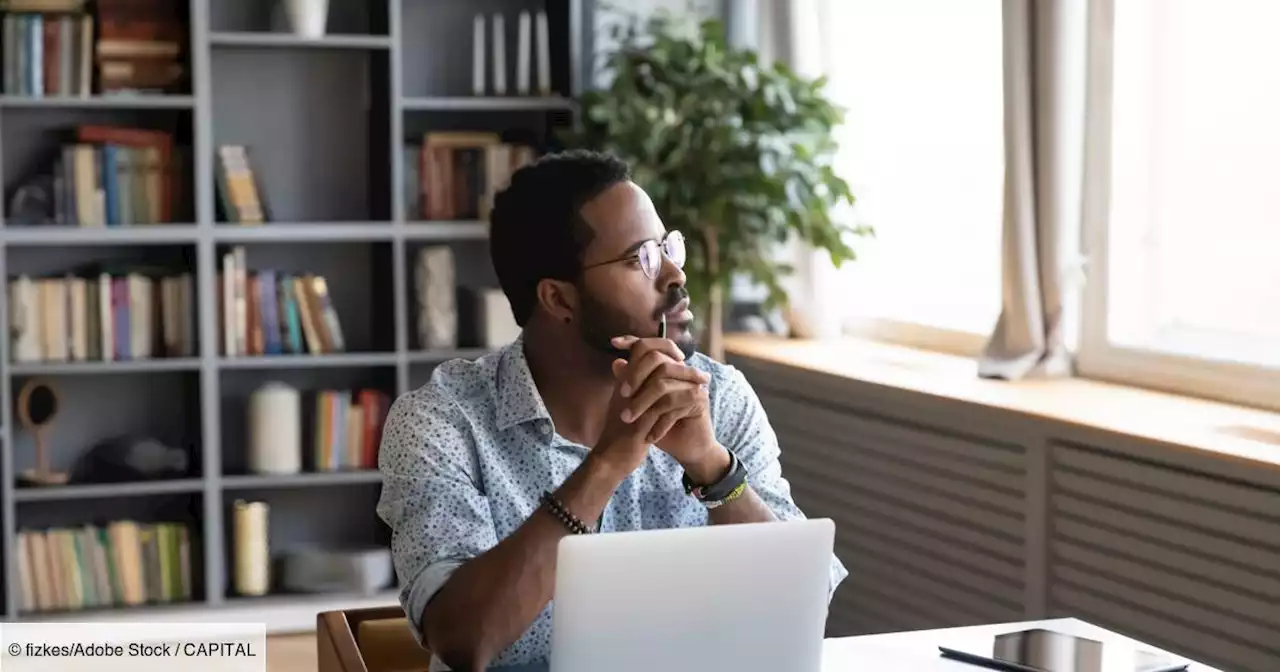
661 400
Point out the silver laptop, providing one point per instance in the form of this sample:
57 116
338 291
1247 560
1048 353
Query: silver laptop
748 598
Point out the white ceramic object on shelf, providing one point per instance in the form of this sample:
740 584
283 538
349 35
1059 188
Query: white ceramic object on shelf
307 18
275 430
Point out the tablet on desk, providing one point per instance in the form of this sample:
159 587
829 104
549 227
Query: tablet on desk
1040 650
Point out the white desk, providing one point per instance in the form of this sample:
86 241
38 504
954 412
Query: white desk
918 650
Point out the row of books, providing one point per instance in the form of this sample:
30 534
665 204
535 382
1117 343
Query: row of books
55 47
115 176
348 428
456 174
124 563
48 55
102 317
268 312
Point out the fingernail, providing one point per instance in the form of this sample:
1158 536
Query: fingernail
626 415
625 390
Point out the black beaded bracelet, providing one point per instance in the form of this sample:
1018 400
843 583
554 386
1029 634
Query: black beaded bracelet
558 510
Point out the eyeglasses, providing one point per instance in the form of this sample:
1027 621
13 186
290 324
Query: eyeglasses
650 254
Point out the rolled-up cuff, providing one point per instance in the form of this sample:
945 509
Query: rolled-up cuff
428 583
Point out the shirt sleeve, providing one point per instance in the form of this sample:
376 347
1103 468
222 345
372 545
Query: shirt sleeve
741 426
431 498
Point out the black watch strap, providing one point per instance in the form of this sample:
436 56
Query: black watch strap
723 491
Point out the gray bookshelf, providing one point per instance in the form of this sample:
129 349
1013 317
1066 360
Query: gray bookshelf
325 120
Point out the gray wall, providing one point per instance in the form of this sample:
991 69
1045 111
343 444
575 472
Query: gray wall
953 514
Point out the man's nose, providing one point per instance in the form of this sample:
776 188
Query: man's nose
670 275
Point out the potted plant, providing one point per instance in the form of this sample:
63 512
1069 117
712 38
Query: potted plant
735 154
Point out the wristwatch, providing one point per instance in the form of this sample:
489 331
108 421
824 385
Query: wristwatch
723 491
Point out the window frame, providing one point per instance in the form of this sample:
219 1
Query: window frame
1097 358
917 335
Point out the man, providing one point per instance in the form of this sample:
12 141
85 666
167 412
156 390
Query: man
588 422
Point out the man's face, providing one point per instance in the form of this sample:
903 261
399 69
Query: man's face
618 298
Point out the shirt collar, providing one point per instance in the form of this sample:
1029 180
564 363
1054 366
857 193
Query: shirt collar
518 398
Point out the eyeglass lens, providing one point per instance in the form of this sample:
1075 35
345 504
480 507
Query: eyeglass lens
651 257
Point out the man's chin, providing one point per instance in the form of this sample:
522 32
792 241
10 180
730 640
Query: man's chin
688 346
685 340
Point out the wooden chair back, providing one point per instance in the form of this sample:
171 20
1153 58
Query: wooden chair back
376 639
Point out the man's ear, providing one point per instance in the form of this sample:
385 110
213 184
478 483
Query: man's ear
558 299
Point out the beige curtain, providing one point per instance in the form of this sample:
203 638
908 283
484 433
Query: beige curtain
1045 55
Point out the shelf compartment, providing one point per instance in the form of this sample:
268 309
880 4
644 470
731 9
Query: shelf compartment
349 519
314 130
34 136
183 509
473 271
437 41
357 277
47 268
238 386
94 410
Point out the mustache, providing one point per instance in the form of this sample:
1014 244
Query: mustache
672 298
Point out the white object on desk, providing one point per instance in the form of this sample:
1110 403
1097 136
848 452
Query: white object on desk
747 598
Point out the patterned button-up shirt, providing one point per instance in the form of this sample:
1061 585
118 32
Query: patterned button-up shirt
465 458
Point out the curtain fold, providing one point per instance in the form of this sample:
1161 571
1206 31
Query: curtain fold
1045 58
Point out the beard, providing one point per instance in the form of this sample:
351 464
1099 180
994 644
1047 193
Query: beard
598 323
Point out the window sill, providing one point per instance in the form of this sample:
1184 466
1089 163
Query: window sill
1226 430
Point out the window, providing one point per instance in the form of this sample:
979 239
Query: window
922 147
1186 280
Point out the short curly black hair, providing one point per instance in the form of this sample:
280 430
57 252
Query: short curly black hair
536 230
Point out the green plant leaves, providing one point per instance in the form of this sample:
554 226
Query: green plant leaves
721 142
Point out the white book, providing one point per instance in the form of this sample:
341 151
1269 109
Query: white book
524 53
106 318
499 56
229 321
544 55
477 56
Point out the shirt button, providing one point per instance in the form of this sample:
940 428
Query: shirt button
546 430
